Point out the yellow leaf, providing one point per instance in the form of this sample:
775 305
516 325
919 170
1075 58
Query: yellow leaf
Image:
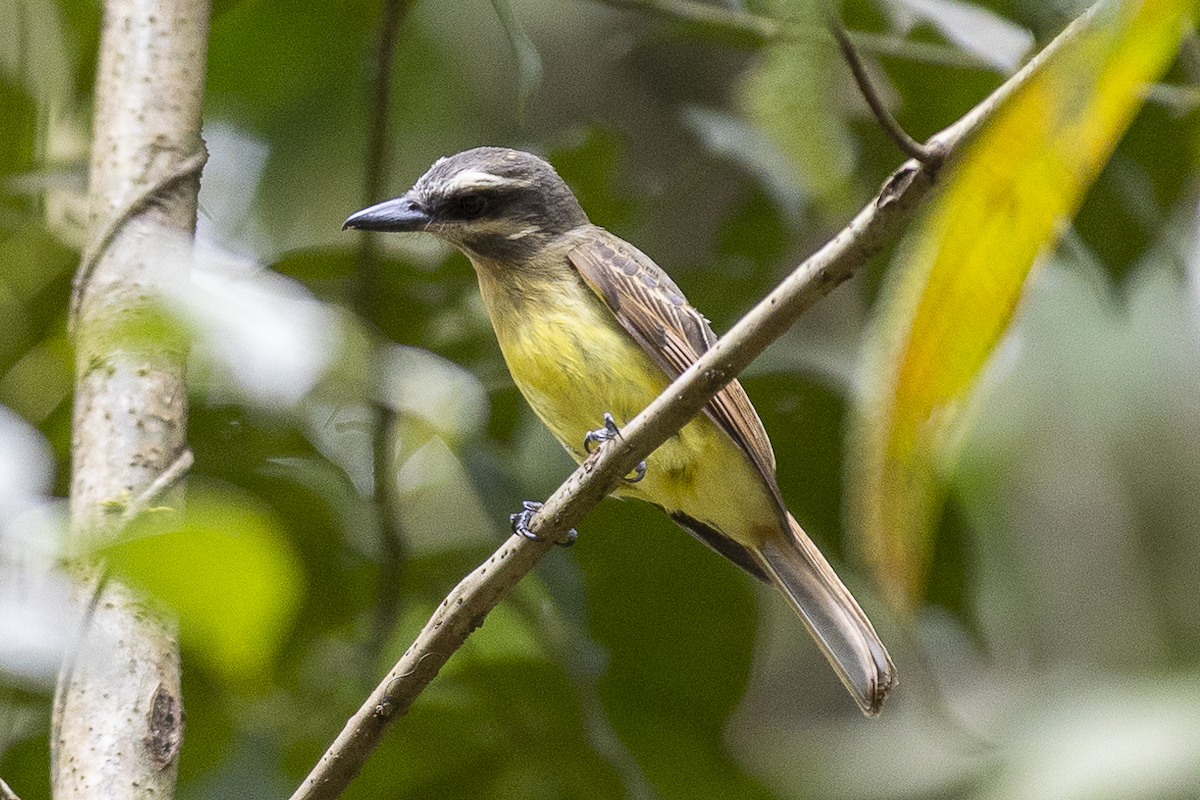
955 286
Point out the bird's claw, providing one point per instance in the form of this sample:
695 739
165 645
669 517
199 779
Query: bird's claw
520 524
599 436
609 432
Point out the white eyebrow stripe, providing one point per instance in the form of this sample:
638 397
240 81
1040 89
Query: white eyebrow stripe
473 179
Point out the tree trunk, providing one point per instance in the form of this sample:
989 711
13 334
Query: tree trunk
118 717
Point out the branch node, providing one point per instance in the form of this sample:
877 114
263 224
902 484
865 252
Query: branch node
164 723
897 184
166 480
189 167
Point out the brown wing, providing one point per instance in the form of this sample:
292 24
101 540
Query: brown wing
659 317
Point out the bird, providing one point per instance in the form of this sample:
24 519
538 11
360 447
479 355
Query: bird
592 330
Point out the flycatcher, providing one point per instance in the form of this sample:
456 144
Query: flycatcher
590 327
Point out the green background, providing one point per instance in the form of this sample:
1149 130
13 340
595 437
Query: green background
1059 655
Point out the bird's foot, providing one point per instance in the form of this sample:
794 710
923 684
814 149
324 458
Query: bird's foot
520 524
610 431
595 438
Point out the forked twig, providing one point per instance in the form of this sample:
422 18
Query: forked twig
931 156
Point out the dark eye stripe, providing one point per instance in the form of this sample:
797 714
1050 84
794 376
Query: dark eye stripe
489 202
471 205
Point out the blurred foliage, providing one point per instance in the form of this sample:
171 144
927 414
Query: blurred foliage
224 568
637 664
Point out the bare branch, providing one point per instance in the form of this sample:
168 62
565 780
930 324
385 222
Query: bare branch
879 223
459 614
117 721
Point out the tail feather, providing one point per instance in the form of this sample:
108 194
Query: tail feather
832 616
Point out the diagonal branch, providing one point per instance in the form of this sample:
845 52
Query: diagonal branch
879 223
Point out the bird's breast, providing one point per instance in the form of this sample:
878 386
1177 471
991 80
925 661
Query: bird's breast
572 359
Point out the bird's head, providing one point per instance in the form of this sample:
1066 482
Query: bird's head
492 201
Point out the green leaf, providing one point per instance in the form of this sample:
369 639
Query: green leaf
224 566
956 286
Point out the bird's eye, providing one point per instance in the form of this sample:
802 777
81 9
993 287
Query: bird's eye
471 205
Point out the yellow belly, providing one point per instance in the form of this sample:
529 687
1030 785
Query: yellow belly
574 362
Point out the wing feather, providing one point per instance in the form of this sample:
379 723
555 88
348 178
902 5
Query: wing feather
655 312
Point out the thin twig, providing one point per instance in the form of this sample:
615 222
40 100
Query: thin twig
908 145
187 168
367 299
166 480
392 552
376 162
465 608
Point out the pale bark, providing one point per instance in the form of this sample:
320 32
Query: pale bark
118 718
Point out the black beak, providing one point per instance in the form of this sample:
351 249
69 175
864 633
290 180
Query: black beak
401 214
